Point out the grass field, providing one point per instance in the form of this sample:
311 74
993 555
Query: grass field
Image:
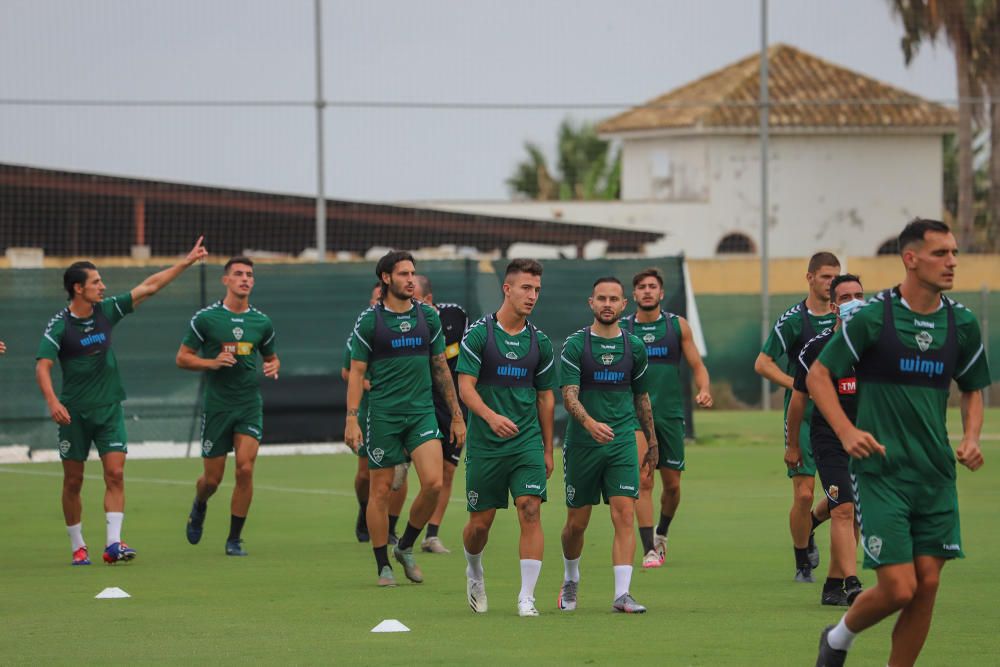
307 594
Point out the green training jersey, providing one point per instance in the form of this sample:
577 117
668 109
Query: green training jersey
796 327
614 408
216 328
896 403
664 379
400 380
89 379
517 404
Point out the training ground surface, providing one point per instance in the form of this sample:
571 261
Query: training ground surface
307 594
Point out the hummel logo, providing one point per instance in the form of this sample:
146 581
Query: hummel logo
426 433
923 323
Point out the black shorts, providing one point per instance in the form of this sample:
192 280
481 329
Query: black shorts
832 465
451 454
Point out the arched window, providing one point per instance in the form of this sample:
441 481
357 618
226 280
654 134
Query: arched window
735 244
889 247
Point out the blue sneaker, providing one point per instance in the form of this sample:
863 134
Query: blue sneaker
196 523
118 552
235 548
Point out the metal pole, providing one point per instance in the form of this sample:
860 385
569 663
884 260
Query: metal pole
765 316
201 379
320 153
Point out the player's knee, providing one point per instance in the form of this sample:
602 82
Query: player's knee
114 476
448 474
927 583
646 483
623 515
73 483
244 472
803 496
901 592
529 509
842 513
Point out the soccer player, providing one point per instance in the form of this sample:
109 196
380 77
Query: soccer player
454 322
667 338
506 373
397 497
400 342
605 391
907 345
223 340
795 328
89 408
842 584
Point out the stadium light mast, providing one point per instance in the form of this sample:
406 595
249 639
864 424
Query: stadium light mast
320 152
765 316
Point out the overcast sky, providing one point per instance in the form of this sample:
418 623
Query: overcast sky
557 52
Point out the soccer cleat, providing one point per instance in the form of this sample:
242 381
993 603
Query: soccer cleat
476 592
804 575
386 579
235 548
652 559
433 545
117 553
361 527
526 607
627 605
81 557
660 545
195 524
834 597
410 567
813 551
852 589
829 656
393 539
567 595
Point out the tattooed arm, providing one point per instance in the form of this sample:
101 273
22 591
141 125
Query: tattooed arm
644 411
600 432
441 375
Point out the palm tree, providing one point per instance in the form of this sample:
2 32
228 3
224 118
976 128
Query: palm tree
985 34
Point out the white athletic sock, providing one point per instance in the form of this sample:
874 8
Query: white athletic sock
840 637
571 569
76 535
114 526
623 577
474 570
530 569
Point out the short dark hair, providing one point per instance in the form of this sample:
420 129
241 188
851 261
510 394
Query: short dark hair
917 228
843 278
531 266
76 274
651 272
237 260
821 259
425 284
609 279
388 262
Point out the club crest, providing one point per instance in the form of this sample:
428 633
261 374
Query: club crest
404 326
570 492
511 355
237 333
473 498
648 338
64 447
833 492
924 340
607 359
206 446
875 545
376 454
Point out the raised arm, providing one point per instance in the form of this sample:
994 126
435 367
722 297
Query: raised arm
968 453
698 370
158 281
644 411
599 431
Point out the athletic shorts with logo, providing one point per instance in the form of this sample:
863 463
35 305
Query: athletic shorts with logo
901 520
833 466
808 466
218 429
392 439
104 426
595 473
492 480
670 438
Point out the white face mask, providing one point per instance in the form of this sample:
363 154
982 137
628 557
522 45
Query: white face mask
847 308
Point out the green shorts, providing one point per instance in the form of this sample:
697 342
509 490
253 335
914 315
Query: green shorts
901 520
670 438
593 473
808 466
218 428
103 425
363 424
490 481
391 439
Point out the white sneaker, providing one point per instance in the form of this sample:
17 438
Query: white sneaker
433 545
567 595
526 607
652 559
660 544
476 591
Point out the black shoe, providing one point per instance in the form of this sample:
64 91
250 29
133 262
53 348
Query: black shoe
804 575
835 596
813 551
829 656
235 548
852 589
393 540
196 522
361 527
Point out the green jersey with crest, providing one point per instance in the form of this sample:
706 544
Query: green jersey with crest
796 327
664 381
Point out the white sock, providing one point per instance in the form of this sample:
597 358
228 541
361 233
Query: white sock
114 526
474 570
530 569
623 577
571 569
840 637
76 535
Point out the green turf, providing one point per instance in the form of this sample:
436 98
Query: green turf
307 594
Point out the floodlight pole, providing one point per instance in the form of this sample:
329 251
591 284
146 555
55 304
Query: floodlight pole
765 316
320 153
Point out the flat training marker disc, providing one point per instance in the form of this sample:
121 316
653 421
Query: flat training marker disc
111 594
389 625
